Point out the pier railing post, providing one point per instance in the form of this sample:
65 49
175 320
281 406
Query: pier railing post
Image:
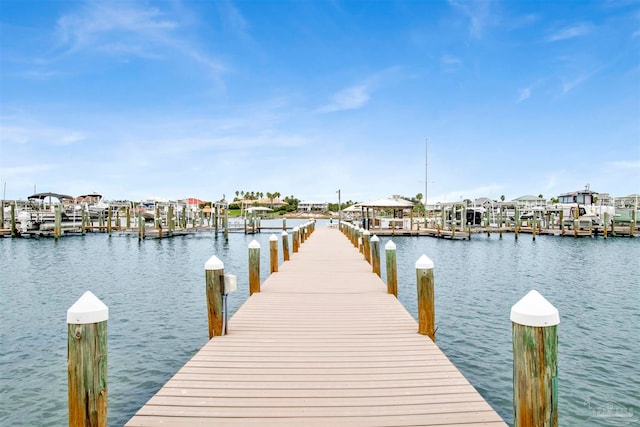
254 267
392 270
366 245
535 361
273 253
294 240
87 361
375 255
214 281
426 310
285 246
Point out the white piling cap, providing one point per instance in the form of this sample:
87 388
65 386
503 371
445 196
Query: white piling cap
424 263
273 238
284 233
88 309
366 233
534 310
254 244
214 263
390 246
296 229
375 238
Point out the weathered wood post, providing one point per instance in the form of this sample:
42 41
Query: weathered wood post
226 223
366 245
128 220
632 225
214 281
140 226
562 223
375 255
426 310
109 220
254 267
2 214
535 361
517 222
361 240
273 253
392 270
533 225
285 246
284 224
14 230
606 223
487 222
83 221
87 361
57 227
294 239
500 220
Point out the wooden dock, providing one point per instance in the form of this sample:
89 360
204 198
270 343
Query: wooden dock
321 344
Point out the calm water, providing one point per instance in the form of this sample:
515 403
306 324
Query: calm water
157 308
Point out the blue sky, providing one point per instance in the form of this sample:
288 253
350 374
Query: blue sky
176 99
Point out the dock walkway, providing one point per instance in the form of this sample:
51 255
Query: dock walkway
321 344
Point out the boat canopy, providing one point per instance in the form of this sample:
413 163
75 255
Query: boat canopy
42 196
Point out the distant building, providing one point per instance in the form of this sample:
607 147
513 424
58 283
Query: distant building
313 206
530 201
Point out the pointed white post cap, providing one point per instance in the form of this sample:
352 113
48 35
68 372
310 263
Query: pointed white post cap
254 244
296 229
424 263
213 263
366 232
88 309
273 238
390 246
375 238
534 310
284 233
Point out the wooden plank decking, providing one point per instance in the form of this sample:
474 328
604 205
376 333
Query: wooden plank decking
321 344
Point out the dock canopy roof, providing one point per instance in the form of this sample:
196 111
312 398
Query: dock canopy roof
42 196
388 203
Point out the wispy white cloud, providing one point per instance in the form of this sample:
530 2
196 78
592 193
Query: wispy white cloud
479 13
233 20
568 86
623 164
141 32
577 30
351 98
20 134
450 63
523 94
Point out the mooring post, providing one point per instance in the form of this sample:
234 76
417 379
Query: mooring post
109 220
140 226
83 227
375 255
426 310
392 270
285 246
606 223
302 233
294 240
14 230
632 225
533 225
87 361
535 361
284 223
361 240
57 227
273 253
254 267
128 214
366 243
226 223
214 281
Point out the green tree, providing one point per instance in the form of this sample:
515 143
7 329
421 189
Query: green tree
502 198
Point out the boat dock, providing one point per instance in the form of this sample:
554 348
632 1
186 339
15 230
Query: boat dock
322 343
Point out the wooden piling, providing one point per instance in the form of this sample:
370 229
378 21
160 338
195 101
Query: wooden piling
57 227
426 310
606 223
87 362
294 239
562 223
14 230
285 246
533 226
83 220
375 255
2 214
214 282
535 361
109 220
141 227
128 214
366 245
392 269
226 223
254 267
632 225
273 253
487 222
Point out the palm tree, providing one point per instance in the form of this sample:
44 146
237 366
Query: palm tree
502 198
